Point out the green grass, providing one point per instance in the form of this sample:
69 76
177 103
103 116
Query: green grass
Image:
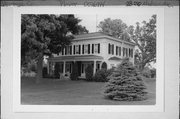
75 93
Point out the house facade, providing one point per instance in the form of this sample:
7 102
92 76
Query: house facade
91 49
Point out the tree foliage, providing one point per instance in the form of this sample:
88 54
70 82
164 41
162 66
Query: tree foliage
145 39
125 84
116 28
46 35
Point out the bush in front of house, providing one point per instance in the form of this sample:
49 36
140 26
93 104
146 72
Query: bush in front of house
125 84
89 73
74 74
149 73
153 73
102 75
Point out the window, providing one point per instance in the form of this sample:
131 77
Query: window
132 53
86 49
123 51
95 48
67 50
76 49
117 50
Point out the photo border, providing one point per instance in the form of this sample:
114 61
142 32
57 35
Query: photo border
158 107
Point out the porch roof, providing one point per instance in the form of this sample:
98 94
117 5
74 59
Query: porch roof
76 58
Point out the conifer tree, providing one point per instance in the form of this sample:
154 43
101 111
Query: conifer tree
125 84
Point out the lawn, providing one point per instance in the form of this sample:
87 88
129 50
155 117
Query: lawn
75 93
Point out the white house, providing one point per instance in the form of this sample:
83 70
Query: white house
92 48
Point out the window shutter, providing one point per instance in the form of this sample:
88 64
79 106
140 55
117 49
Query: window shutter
63 51
88 48
113 49
82 49
79 49
99 48
119 51
109 48
71 50
132 53
123 51
116 50
92 48
74 49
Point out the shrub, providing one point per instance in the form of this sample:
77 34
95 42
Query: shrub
74 74
57 70
153 73
89 73
102 75
104 65
125 84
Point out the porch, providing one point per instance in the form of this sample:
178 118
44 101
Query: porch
66 64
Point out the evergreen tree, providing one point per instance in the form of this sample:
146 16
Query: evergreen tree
125 84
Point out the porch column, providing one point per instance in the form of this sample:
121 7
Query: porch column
94 70
64 67
100 64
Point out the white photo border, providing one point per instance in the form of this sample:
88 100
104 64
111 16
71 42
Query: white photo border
160 96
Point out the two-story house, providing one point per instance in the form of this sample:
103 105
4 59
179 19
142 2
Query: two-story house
92 48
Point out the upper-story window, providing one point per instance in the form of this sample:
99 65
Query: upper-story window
96 48
86 49
117 50
77 49
111 49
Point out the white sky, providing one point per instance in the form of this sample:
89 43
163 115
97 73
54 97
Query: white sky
91 20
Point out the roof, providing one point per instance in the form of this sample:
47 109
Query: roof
99 35
76 58
114 58
89 35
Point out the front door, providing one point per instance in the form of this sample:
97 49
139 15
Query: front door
79 67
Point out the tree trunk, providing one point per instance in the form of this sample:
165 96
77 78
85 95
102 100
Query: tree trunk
39 69
142 65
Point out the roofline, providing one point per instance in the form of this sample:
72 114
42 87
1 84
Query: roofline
105 36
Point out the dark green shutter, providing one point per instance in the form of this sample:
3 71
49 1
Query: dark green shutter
88 48
92 48
74 50
79 49
99 48
116 50
109 48
82 49
113 49
63 51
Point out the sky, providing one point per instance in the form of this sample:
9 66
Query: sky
90 21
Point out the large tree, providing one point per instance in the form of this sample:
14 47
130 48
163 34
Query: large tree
115 27
44 35
144 37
